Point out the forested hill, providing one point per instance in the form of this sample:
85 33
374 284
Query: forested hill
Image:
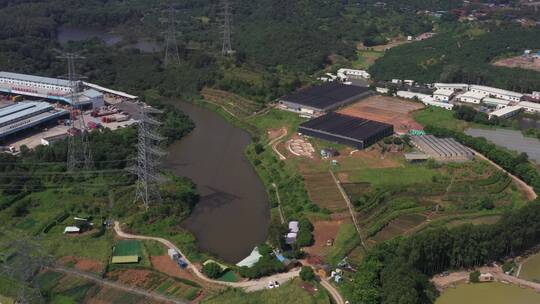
464 56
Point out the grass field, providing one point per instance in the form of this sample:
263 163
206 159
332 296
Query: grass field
365 59
128 247
441 118
346 241
290 293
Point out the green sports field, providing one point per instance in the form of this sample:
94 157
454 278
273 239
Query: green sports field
128 247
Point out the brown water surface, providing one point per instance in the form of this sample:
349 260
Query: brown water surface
233 214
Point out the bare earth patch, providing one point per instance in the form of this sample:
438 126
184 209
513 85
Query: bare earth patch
386 109
519 62
322 232
82 263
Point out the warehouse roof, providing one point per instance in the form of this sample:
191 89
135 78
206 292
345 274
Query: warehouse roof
325 95
346 126
505 111
495 101
22 109
32 78
495 90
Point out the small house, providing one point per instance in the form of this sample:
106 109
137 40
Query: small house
293 226
290 238
486 277
328 152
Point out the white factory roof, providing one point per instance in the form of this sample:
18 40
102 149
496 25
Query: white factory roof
530 105
505 111
474 95
496 101
104 89
21 109
443 92
495 91
440 85
32 78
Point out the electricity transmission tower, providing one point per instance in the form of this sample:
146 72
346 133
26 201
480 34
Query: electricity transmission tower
172 55
148 158
79 154
226 27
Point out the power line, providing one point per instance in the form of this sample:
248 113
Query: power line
148 158
79 155
226 27
172 55
64 163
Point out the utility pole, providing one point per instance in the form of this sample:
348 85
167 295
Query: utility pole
172 55
79 154
226 27
148 158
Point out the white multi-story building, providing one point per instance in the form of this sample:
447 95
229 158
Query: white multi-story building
471 97
443 95
530 106
345 74
49 88
496 102
451 86
494 92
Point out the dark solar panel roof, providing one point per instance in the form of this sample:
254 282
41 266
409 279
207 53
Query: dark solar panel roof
344 125
325 95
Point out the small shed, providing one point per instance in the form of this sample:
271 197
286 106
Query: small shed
486 277
328 152
72 229
293 227
125 259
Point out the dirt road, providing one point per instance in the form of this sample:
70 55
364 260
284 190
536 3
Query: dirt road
116 285
333 292
274 142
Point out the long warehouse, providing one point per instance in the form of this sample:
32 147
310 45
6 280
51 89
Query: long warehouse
25 115
352 131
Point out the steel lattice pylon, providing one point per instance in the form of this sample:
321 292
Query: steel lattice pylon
172 55
148 159
79 153
226 27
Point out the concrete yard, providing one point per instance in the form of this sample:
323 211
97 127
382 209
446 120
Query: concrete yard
510 139
35 139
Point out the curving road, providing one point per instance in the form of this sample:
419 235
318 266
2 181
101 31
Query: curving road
251 285
248 286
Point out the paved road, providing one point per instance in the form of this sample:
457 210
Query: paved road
530 191
116 285
251 285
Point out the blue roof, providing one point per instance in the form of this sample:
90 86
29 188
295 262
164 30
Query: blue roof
16 111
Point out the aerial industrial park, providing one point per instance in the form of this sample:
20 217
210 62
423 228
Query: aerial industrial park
219 152
38 110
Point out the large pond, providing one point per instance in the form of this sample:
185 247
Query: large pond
510 139
491 293
67 33
233 214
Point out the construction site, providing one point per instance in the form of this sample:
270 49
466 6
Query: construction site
388 110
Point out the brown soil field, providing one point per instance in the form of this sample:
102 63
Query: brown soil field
386 109
164 264
82 263
322 232
323 191
134 277
519 62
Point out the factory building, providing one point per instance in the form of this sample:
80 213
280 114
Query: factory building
530 107
471 97
506 112
352 131
485 91
320 99
443 95
22 116
451 86
49 88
